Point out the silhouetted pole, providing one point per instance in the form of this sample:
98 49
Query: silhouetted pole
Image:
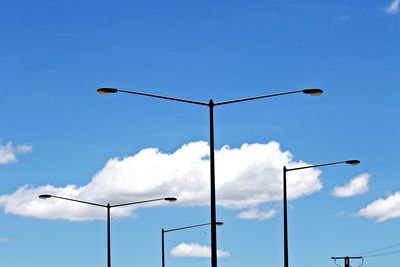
346 262
285 224
108 237
108 207
285 220
162 248
211 105
212 190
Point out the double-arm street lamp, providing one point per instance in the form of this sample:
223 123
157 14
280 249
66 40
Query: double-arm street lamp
285 223
177 229
211 105
108 207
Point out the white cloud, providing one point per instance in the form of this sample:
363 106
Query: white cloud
195 250
356 186
7 152
245 177
257 214
382 209
393 8
23 149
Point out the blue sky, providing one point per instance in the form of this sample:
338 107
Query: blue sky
58 136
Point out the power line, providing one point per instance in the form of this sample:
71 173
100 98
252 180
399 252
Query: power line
365 253
382 254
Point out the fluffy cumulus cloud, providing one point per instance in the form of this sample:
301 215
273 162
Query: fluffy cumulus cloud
8 152
245 177
356 186
257 214
393 8
195 250
382 209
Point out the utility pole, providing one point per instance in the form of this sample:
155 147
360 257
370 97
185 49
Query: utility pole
347 260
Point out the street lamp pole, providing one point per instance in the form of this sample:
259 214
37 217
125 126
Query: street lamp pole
108 207
285 220
162 248
108 236
211 105
177 229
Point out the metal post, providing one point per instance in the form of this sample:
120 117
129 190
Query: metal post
162 248
346 262
285 224
108 237
212 189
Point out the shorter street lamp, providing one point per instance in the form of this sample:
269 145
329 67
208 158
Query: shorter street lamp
108 206
285 223
177 229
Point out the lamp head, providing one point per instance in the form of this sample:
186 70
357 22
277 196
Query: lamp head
352 162
313 91
104 91
170 199
219 223
45 196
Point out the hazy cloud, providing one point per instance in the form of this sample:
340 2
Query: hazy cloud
382 209
245 177
393 8
8 152
356 186
195 250
3 239
23 149
344 18
256 214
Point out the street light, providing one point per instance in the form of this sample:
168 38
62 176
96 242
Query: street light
177 229
108 206
211 105
285 223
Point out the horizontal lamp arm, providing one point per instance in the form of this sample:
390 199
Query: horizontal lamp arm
137 202
186 227
351 162
153 95
80 201
256 97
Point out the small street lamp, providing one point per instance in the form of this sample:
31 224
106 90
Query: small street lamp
108 207
285 223
177 229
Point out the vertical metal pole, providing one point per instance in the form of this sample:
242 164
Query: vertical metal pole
346 262
108 237
285 224
162 248
212 189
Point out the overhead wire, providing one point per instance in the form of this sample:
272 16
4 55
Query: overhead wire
365 253
382 254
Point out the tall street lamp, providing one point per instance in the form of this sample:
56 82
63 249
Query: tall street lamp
211 105
177 229
108 207
285 223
